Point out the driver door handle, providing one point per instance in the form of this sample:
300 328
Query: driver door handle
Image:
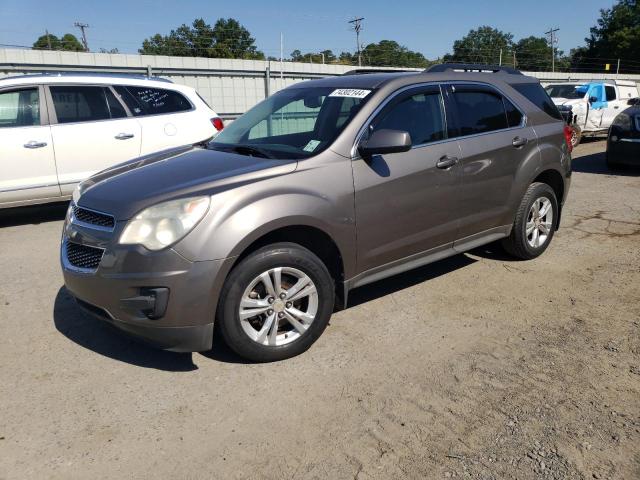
34 144
520 142
124 136
446 161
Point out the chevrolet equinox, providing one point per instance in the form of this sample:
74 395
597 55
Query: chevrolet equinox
323 187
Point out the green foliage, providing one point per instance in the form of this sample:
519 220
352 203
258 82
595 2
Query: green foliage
226 39
389 53
68 42
616 35
325 56
481 46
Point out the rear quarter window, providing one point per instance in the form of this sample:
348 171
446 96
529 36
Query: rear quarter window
537 95
152 101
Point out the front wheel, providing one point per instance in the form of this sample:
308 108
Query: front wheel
275 303
535 223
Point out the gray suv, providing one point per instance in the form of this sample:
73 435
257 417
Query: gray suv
325 186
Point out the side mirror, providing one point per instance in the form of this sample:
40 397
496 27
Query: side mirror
385 141
593 99
634 101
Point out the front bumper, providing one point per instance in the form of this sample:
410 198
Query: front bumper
118 290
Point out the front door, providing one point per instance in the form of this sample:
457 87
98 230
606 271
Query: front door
27 164
405 203
91 132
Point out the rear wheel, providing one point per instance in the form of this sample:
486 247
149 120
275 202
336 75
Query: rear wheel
576 136
535 223
275 303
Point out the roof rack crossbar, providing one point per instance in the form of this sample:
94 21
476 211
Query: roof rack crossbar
472 67
132 76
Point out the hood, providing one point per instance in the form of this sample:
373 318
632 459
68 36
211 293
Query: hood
128 188
566 101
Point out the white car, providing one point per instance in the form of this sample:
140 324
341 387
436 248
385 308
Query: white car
58 129
590 108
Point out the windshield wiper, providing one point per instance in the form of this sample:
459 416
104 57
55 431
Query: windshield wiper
244 150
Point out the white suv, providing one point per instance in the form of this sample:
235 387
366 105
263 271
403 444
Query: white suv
58 129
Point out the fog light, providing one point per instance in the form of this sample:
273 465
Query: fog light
614 138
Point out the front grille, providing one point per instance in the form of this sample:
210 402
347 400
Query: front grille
93 218
82 256
638 123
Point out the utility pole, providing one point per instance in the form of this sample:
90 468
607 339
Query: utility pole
553 39
281 59
49 41
357 27
82 27
500 64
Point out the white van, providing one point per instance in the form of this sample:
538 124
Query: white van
591 107
58 129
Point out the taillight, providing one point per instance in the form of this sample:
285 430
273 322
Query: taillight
568 133
217 123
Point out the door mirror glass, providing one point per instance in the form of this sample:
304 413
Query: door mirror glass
385 141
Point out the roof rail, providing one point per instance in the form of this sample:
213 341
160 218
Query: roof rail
136 76
365 71
472 67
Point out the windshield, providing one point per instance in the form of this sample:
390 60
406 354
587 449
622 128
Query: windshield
293 123
565 91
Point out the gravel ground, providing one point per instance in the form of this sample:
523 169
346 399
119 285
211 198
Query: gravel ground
474 367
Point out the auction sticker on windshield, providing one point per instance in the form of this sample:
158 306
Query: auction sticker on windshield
350 93
311 146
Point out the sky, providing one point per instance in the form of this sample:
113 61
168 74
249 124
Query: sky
429 27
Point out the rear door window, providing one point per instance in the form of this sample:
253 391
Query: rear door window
514 116
152 101
479 111
419 113
536 95
610 92
19 108
75 103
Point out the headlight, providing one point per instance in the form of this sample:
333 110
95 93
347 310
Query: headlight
623 122
164 224
76 193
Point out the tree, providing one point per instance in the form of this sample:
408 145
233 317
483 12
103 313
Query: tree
226 39
389 53
68 42
325 56
616 35
481 46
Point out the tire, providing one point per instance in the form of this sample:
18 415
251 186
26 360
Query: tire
576 136
246 292
519 243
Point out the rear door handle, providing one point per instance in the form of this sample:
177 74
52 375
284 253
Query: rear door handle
34 144
124 136
446 162
519 142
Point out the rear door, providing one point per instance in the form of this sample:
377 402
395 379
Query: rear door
167 117
407 203
91 131
614 105
27 164
494 141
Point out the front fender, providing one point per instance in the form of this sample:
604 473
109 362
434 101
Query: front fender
306 197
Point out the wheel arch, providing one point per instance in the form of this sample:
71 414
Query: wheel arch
311 237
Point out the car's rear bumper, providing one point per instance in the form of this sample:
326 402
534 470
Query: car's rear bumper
626 151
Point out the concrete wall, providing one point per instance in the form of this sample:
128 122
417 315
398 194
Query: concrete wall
229 86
